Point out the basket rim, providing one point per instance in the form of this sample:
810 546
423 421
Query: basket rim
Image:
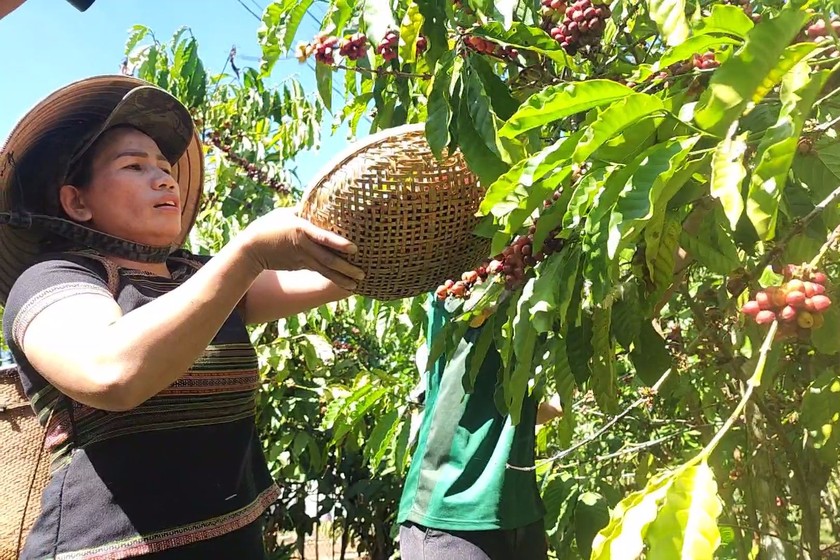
354 149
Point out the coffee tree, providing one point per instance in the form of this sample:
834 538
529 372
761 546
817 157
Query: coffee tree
661 195
334 410
674 158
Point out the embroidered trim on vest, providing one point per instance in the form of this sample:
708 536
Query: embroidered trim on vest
180 536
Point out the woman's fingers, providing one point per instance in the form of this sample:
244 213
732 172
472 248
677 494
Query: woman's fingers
329 239
331 261
331 274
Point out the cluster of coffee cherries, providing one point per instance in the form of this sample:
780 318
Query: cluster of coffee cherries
552 11
325 48
820 29
582 25
797 304
485 46
510 264
387 47
342 346
353 47
705 61
747 7
252 171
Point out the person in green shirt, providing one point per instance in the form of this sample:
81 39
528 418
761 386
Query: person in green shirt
460 501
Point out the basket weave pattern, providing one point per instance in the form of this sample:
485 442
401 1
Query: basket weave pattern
411 216
26 465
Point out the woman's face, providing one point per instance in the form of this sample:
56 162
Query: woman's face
131 193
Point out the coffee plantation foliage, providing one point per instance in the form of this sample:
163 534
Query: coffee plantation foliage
662 196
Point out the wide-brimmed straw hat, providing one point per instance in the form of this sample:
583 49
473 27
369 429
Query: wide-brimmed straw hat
52 136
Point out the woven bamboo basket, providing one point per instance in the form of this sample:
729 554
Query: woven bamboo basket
25 468
411 216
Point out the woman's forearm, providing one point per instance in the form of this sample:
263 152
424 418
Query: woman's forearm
278 294
121 363
155 344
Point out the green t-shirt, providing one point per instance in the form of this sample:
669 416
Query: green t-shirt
458 478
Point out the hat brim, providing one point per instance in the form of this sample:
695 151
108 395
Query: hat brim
156 113
97 100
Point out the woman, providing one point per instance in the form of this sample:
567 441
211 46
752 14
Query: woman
133 352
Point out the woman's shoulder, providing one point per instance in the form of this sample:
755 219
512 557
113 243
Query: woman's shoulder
72 263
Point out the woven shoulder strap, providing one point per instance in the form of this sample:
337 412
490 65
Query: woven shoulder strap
111 268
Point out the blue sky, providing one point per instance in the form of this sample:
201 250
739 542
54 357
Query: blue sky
48 43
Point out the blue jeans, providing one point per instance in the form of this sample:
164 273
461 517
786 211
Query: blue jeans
424 543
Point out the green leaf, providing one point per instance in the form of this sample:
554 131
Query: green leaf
559 101
669 16
696 44
825 339
728 175
440 112
193 75
410 27
559 496
524 342
661 244
706 251
642 192
820 416
138 33
686 527
525 37
434 28
775 154
730 20
566 280
583 196
481 112
734 84
487 165
380 438
650 357
613 120
401 448
599 270
790 58
378 19
579 350
323 76
280 22
478 352
820 171
591 515
511 187
626 322
148 69
604 381
564 383
504 104
338 15
544 301
622 538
